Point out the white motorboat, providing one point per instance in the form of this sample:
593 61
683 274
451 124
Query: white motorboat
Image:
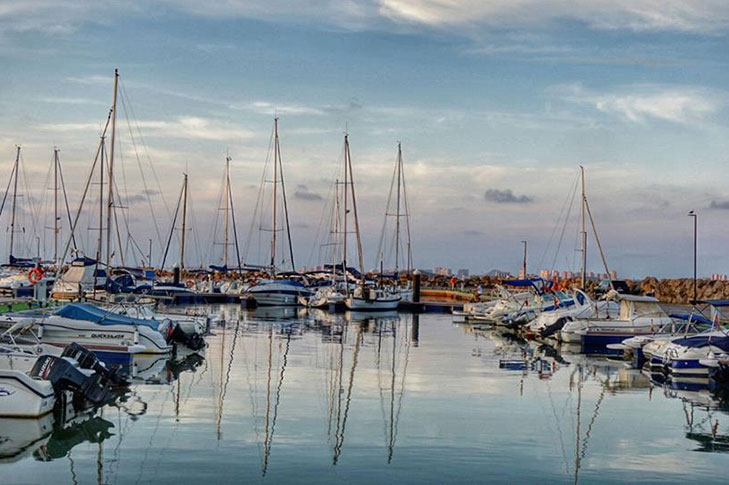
551 321
367 298
278 292
22 396
638 315
107 334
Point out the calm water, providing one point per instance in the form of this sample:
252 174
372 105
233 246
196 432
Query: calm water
324 398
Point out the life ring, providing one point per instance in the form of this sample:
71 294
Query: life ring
190 284
35 275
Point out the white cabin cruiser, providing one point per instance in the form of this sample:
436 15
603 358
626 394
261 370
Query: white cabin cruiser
551 322
371 298
275 292
110 335
638 315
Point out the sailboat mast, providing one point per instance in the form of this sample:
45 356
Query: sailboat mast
397 212
15 197
356 218
346 210
184 220
273 196
225 210
110 195
55 205
583 233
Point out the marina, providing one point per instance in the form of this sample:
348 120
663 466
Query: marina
295 397
371 241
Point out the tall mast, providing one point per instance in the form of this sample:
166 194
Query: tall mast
346 210
184 228
225 210
273 195
583 233
356 218
55 204
110 196
397 217
15 197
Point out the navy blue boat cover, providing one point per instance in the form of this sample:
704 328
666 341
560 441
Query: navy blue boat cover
704 341
691 316
90 313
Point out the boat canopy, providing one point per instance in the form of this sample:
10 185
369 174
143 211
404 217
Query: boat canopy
716 303
90 313
536 283
692 317
698 341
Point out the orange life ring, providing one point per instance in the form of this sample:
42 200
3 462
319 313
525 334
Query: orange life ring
35 275
190 283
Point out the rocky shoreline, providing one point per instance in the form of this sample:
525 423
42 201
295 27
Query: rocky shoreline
672 291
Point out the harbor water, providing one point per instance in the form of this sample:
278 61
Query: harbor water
296 396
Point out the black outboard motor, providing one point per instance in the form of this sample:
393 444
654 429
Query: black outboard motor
193 342
65 376
88 360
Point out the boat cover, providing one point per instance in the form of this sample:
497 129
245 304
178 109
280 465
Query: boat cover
691 316
91 313
698 341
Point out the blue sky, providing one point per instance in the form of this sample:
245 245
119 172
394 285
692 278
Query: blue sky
487 97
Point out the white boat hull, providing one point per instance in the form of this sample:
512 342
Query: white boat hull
24 397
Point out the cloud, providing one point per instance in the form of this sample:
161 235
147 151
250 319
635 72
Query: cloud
719 204
506 197
187 127
642 102
635 15
303 193
472 232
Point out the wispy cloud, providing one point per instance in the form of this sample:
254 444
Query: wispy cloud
643 102
187 127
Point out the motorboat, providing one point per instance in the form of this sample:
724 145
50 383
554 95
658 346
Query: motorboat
112 336
278 292
550 322
373 298
638 315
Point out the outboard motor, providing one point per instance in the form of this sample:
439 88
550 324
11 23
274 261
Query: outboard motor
88 360
65 376
174 334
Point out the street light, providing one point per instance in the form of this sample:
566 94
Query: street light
524 261
695 216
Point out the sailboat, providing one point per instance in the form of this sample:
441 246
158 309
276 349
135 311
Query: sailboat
280 289
400 211
365 296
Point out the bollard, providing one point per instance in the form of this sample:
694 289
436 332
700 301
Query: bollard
416 287
176 276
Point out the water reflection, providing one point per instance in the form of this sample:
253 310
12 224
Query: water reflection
294 395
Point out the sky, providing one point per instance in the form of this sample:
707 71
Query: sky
496 104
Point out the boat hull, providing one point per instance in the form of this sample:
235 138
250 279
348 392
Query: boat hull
24 397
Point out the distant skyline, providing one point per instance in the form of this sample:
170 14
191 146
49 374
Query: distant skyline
496 104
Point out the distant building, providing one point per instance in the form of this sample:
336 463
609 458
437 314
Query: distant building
442 271
497 273
613 274
718 277
463 273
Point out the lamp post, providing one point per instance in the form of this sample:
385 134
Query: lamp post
524 261
695 216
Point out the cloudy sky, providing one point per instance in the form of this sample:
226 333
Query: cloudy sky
496 104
